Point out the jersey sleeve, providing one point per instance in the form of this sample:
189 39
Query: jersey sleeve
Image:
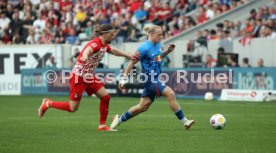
108 48
142 51
160 48
95 46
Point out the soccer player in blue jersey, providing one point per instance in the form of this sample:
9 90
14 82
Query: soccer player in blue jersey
150 58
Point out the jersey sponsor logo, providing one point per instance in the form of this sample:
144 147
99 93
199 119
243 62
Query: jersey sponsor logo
158 58
94 45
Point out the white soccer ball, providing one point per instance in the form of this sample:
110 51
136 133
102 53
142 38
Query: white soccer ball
208 96
218 121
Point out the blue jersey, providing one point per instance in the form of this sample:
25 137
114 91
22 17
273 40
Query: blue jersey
150 57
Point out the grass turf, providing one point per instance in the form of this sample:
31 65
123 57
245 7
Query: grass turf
250 128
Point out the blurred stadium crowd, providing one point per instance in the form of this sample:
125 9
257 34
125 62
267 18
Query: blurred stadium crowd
260 23
74 21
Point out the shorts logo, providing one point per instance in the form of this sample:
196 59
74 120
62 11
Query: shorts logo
76 96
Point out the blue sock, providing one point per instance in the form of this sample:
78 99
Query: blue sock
179 114
124 117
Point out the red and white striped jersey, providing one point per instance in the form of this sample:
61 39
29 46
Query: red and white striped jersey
81 68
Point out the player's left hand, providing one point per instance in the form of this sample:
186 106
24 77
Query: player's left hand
122 82
171 48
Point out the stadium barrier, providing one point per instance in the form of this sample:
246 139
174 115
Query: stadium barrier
187 83
52 82
247 95
253 50
13 58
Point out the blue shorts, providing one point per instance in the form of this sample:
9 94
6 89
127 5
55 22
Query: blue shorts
153 89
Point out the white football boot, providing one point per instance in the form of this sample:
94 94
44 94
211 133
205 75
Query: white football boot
115 122
188 124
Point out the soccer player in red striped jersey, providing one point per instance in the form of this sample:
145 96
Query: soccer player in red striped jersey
83 77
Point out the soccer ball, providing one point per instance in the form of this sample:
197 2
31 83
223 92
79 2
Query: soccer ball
208 96
218 121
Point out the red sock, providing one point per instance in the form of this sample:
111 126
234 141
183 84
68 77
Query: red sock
104 104
60 105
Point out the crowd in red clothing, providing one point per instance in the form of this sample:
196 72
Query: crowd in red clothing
261 22
72 21
206 11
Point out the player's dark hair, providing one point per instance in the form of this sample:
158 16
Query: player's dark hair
104 28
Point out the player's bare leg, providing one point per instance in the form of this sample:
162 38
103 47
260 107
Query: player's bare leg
170 95
74 105
143 106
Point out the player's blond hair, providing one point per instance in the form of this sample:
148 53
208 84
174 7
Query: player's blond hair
150 28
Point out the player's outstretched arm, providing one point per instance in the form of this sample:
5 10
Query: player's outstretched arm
117 52
132 62
169 50
130 65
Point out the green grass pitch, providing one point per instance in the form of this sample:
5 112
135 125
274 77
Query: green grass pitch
250 128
